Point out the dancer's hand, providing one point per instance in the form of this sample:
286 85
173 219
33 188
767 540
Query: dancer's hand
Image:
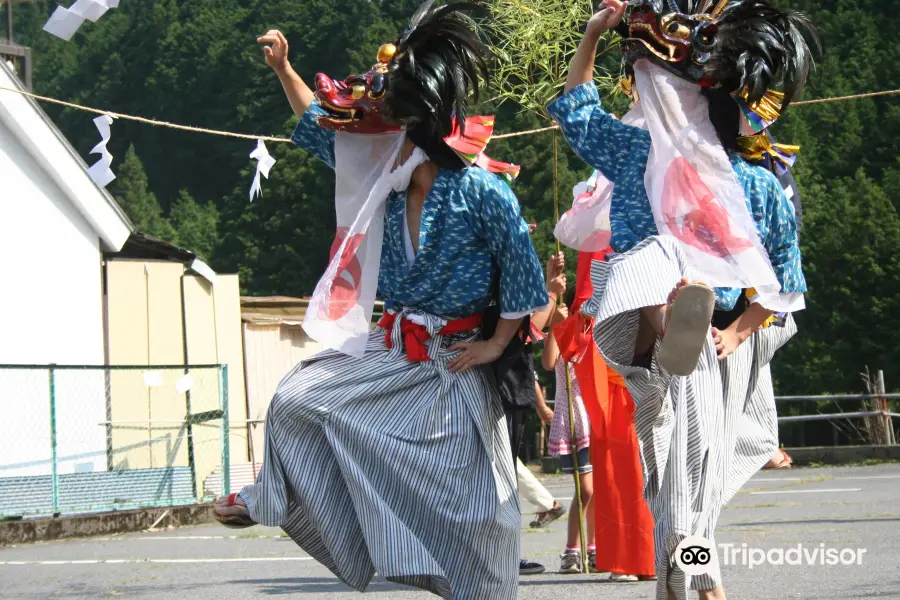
472 354
556 287
277 53
581 70
556 274
727 341
610 14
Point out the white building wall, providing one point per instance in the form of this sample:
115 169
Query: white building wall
50 312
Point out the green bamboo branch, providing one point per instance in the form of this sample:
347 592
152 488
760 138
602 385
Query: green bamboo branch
534 42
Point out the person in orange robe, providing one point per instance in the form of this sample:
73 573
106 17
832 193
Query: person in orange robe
624 524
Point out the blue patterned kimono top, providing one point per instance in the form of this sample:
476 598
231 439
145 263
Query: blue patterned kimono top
620 152
470 229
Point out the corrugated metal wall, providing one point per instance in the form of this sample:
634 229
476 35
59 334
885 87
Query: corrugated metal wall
159 315
271 351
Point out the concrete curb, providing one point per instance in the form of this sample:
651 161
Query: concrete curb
841 455
827 455
41 530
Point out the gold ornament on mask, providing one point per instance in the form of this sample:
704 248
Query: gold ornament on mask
672 27
756 147
386 53
768 107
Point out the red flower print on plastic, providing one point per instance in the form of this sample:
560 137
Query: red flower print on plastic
344 292
707 225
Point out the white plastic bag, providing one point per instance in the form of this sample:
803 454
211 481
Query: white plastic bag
340 311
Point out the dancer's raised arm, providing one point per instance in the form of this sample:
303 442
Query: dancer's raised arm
595 135
298 93
582 69
308 135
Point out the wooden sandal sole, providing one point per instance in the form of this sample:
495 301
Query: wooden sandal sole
688 322
235 522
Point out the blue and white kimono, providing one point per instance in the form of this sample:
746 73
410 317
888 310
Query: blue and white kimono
620 152
404 468
704 435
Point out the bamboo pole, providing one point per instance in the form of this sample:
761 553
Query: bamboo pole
573 438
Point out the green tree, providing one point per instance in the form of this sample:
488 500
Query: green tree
133 194
197 62
279 243
196 226
850 241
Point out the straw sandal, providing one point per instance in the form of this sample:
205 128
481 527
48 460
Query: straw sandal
686 328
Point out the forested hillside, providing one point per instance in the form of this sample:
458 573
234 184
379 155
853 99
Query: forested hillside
196 62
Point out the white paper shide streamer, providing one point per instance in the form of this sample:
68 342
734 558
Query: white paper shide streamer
64 22
101 172
264 164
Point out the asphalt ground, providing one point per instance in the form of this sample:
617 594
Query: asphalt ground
841 508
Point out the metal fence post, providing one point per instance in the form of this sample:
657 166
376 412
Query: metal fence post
226 437
54 468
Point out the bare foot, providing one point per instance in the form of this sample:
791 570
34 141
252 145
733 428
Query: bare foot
780 460
232 512
232 504
654 321
674 294
670 301
716 594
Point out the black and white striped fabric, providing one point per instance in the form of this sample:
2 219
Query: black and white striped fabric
702 436
381 464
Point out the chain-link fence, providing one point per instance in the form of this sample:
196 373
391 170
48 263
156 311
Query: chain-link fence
101 438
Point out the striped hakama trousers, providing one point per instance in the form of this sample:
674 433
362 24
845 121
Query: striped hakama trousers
382 464
702 436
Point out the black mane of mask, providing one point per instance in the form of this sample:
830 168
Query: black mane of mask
750 44
759 47
438 62
749 48
725 115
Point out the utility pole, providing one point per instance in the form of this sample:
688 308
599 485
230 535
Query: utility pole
15 53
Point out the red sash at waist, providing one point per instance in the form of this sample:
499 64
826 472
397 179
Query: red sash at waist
415 335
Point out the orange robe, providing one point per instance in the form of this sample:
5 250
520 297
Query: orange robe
624 524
